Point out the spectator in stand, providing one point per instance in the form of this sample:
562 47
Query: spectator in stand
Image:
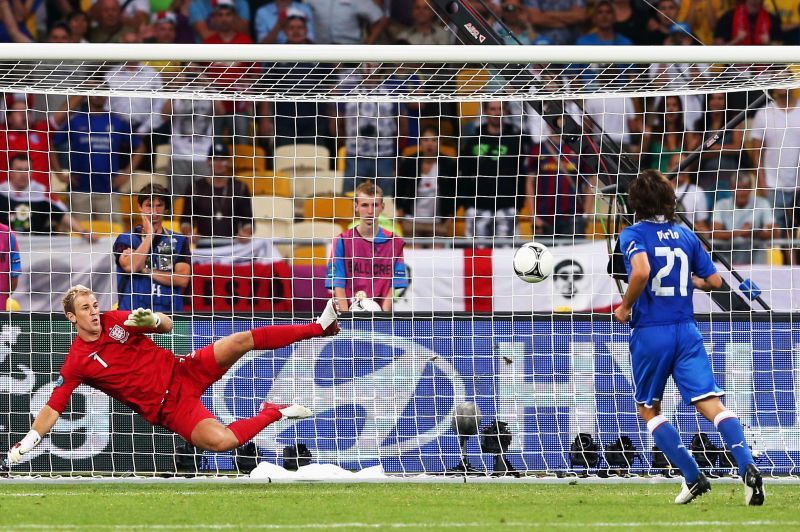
490 167
788 11
79 26
21 135
222 206
746 220
153 263
702 16
169 26
664 135
774 136
202 11
515 17
603 20
426 29
631 20
660 24
370 131
617 117
143 114
367 257
10 264
226 75
192 134
55 71
107 22
98 141
551 189
163 30
296 122
272 18
559 21
692 200
27 207
681 74
426 185
26 16
59 32
134 13
748 24
719 163
340 22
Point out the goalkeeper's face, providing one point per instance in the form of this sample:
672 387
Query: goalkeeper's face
86 316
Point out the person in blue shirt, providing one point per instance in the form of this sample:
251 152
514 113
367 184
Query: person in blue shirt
665 262
95 141
153 263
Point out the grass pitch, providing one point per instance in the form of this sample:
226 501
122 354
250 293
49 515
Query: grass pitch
477 506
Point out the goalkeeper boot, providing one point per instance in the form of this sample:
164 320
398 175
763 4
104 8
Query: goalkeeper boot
328 319
689 492
291 411
753 486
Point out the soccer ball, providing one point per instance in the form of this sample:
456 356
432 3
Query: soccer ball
533 263
361 303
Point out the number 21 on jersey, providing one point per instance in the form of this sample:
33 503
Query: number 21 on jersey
665 272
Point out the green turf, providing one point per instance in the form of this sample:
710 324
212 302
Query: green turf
221 505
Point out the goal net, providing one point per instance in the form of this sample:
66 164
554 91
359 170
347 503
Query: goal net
249 158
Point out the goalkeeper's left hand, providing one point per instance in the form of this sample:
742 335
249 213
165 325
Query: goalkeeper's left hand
143 317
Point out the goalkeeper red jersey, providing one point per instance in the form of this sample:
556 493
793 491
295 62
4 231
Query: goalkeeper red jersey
122 363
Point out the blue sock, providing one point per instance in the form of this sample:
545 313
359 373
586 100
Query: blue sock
667 439
732 433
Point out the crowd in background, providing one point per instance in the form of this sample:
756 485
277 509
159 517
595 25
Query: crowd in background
497 171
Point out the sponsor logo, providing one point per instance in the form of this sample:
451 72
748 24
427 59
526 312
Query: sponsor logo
474 32
119 334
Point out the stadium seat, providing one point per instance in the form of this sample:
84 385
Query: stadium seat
329 209
288 158
56 183
104 228
141 179
316 253
470 80
249 160
273 209
319 183
162 163
388 208
444 150
268 184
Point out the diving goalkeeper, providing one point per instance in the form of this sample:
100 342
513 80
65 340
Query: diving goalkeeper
113 354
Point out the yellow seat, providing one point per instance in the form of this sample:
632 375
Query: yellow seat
329 209
103 228
775 257
268 184
444 150
314 255
163 163
249 159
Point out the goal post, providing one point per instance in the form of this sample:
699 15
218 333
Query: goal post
259 150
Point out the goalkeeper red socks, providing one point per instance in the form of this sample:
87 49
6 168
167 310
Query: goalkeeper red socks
246 429
277 336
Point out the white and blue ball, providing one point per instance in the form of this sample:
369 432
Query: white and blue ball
533 262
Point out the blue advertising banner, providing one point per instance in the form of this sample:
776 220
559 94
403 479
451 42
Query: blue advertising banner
385 391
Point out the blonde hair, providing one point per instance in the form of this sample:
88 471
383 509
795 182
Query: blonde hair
68 302
369 188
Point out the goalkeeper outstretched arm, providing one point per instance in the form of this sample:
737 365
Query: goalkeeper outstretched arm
44 421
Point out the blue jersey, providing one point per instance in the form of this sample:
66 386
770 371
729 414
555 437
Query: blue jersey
138 290
674 253
95 144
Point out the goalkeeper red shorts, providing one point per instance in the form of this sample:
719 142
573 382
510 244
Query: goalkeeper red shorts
182 409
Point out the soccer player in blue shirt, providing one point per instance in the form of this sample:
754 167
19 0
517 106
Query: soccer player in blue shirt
665 262
153 263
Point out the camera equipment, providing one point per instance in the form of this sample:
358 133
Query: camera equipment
465 424
188 460
704 451
620 455
659 461
296 456
583 452
495 440
246 457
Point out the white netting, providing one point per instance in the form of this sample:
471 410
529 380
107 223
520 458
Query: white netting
472 165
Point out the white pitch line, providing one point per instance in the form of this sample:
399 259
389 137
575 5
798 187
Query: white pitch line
493 524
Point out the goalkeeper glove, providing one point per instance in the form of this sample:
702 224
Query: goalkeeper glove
23 447
143 317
